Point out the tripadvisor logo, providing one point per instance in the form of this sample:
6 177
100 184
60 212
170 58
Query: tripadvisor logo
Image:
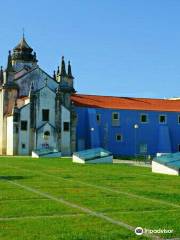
140 231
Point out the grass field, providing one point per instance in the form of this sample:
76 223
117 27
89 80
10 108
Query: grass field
56 199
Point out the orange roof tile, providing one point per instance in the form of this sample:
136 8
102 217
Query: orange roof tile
128 103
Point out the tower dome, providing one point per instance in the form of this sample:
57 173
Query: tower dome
23 52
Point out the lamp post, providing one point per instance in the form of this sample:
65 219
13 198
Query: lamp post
136 126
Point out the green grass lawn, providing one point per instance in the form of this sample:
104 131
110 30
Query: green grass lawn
56 199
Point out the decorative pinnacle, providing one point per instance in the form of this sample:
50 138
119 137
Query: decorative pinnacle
63 67
1 75
9 64
69 70
58 70
54 74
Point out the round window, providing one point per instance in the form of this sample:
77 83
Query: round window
46 135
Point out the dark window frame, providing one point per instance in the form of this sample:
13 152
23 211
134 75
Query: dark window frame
45 115
121 137
66 126
178 119
165 118
98 117
146 120
24 125
23 145
114 118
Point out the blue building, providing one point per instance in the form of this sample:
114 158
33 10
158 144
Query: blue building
40 111
128 126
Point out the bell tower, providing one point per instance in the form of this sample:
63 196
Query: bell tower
66 116
23 56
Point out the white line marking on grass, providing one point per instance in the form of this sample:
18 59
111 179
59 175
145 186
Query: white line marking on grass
83 209
172 239
41 216
144 211
101 187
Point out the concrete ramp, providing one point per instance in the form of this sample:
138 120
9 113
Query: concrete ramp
167 164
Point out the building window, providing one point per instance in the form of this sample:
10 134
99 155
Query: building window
118 137
66 126
162 118
45 115
178 148
23 145
144 118
16 129
46 135
98 117
23 125
115 119
143 148
115 116
178 119
16 116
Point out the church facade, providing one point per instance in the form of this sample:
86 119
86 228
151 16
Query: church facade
35 109
41 111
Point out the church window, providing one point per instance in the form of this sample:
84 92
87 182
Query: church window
23 125
119 138
23 145
66 126
46 135
162 118
144 118
45 115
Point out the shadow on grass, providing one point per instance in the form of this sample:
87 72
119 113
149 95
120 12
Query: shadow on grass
12 178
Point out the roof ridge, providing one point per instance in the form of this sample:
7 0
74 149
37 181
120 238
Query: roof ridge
82 94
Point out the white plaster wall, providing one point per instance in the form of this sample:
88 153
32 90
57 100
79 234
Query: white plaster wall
24 135
159 168
46 100
1 121
10 138
65 136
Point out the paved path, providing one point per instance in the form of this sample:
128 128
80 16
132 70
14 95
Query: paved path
132 162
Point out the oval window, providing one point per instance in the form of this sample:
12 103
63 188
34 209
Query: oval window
46 135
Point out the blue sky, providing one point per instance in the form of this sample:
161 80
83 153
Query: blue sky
117 47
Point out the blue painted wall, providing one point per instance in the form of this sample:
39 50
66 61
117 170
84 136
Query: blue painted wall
159 137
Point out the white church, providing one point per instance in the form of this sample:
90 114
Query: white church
35 109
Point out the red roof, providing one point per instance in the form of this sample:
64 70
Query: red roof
128 103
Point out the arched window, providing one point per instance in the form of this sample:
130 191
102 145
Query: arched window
46 135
